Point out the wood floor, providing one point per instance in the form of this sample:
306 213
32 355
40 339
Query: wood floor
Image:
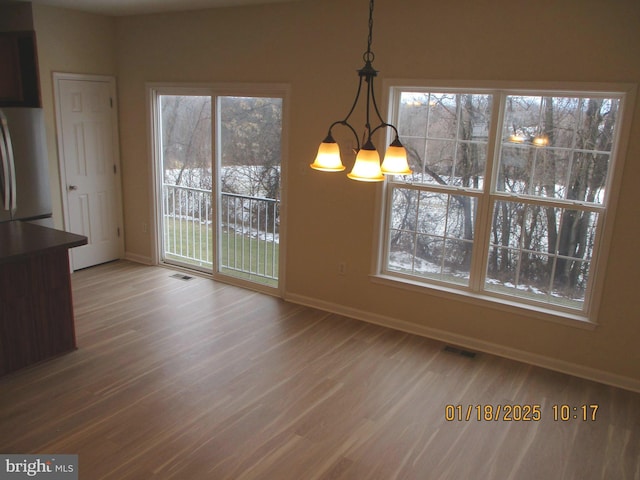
195 380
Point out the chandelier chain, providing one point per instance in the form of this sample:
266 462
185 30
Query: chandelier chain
368 55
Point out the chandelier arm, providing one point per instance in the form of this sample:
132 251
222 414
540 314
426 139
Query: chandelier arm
353 130
339 122
367 124
355 102
329 137
377 110
345 121
387 125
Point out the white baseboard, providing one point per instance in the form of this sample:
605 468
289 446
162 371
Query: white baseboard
471 343
134 257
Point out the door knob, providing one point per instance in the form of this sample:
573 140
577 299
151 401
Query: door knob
73 187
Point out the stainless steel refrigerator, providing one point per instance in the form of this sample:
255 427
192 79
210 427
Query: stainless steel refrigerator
24 169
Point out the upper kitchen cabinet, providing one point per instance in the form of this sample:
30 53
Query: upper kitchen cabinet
19 83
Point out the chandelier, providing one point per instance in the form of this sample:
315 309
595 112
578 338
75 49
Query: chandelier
367 166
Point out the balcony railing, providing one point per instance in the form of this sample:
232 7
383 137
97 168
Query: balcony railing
249 237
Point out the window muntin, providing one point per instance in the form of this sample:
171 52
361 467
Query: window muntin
557 146
431 234
534 253
538 237
446 136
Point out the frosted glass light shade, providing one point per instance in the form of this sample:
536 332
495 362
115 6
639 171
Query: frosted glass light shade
367 166
395 160
328 158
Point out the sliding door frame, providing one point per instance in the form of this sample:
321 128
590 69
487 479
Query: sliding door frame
154 91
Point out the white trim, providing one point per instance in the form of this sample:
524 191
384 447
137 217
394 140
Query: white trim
134 257
618 156
588 317
502 303
519 87
155 236
577 370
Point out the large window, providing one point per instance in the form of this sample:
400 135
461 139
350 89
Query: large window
508 194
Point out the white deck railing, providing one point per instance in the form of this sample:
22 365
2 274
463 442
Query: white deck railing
249 239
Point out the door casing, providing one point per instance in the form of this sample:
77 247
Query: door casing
115 160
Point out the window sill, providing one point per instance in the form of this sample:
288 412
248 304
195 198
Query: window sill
539 313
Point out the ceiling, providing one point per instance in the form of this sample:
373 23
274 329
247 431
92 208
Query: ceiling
135 7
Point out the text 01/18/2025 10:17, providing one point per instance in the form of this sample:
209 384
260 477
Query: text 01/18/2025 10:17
519 413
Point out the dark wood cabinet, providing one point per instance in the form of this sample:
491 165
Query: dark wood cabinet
10 75
36 309
19 81
36 306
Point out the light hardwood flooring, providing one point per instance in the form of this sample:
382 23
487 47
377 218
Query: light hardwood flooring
192 380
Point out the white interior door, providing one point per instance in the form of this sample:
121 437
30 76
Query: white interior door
88 151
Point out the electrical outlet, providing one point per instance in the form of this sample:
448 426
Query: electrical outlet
342 268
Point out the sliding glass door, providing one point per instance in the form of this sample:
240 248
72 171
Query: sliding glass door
249 166
218 163
186 181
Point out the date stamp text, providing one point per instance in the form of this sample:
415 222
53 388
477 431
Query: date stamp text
519 412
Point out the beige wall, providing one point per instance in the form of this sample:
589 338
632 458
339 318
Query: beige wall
316 47
70 42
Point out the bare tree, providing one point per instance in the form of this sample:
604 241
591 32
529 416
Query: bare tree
553 148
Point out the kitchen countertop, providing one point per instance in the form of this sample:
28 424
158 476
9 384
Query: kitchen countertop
18 239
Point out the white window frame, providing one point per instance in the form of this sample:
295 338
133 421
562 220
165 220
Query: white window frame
474 293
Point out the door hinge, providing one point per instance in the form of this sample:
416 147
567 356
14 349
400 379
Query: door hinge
118 231
114 169
111 102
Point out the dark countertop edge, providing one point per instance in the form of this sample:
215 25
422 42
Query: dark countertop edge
19 239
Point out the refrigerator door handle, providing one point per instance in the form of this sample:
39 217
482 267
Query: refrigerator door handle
13 200
5 187
12 167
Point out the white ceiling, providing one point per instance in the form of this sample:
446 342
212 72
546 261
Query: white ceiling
135 7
